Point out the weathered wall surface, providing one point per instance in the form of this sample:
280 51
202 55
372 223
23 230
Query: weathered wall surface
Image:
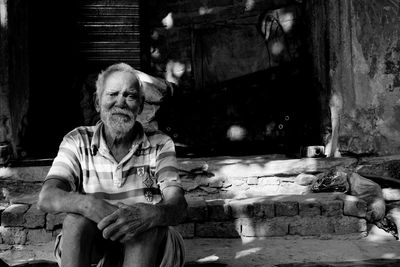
370 121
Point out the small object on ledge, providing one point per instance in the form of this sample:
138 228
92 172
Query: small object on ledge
312 152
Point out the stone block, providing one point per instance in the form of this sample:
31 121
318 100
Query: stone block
332 208
185 229
348 225
278 226
310 226
353 206
391 194
264 208
216 184
309 208
286 208
13 235
34 218
14 215
38 236
236 181
305 179
54 220
218 210
189 184
217 229
242 208
252 181
269 180
197 209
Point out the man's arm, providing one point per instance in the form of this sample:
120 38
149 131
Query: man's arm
129 221
56 196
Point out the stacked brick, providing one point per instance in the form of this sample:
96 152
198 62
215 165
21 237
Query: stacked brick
305 215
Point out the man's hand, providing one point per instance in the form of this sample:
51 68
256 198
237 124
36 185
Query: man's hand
129 221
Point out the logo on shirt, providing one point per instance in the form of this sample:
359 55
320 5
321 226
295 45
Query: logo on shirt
140 171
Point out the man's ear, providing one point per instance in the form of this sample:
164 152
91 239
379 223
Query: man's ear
96 101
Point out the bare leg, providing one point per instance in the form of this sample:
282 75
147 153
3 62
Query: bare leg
144 250
79 235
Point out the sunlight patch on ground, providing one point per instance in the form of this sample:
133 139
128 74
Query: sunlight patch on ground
389 255
168 21
247 252
210 258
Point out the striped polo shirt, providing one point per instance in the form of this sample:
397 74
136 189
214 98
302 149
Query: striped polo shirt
87 165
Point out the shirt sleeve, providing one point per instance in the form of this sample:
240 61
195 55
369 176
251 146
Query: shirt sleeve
166 166
66 166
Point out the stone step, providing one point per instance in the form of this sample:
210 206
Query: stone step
270 216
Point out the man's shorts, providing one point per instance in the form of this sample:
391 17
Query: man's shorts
173 256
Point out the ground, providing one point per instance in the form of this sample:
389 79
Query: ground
257 251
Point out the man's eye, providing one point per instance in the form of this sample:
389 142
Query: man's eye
133 96
113 94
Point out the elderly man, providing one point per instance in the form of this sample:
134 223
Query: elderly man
118 185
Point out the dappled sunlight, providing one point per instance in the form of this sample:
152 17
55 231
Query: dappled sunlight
168 21
155 53
277 47
250 5
174 71
247 252
287 21
155 35
3 15
205 10
236 133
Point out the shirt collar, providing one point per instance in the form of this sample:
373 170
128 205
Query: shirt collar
98 141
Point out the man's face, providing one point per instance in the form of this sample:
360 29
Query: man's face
120 103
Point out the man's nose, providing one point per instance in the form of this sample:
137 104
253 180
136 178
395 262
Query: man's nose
121 100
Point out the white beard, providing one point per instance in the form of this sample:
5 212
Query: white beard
119 126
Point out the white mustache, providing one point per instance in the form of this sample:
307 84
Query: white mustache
121 111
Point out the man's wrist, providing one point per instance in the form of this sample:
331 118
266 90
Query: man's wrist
84 204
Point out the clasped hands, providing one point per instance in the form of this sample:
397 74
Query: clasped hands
122 222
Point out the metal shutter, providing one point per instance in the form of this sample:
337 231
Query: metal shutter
109 32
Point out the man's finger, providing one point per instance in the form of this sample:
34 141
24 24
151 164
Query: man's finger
120 233
108 220
112 229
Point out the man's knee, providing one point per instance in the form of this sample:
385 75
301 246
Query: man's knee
153 236
75 224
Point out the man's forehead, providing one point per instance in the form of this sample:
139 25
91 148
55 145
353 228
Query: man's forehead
122 77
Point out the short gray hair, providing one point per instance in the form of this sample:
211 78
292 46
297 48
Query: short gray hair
118 67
